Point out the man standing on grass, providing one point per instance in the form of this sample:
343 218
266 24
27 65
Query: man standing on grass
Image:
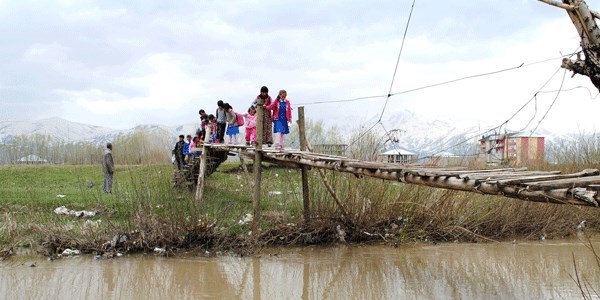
108 167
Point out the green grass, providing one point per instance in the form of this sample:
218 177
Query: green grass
144 204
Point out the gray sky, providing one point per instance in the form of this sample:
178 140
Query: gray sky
123 63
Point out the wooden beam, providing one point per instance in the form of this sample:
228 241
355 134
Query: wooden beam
559 195
563 183
256 165
304 168
203 160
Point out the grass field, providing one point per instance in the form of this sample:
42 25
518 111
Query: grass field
146 207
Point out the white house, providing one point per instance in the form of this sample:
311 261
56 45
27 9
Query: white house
31 159
398 155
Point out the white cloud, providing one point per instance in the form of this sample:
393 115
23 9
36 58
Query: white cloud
125 64
93 14
51 53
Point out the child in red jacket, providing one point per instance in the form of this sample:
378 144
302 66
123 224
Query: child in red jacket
282 117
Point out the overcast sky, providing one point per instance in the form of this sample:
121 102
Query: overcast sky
123 63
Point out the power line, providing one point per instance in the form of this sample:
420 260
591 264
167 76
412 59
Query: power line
361 135
393 76
398 60
522 65
505 122
458 79
342 100
552 104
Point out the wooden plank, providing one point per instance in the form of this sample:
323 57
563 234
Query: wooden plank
586 172
507 175
436 172
563 183
475 173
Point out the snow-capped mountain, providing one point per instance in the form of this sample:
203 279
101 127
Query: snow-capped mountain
425 136
57 128
408 130
67 131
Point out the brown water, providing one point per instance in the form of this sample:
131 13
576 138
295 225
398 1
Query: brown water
525 270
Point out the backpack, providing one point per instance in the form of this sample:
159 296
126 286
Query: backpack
240 119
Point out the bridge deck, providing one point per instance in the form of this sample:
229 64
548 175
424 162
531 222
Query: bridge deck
579 188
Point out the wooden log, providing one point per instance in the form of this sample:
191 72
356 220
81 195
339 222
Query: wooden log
506 175
203 161
589 33
563 183
512 181
569 191
559 196
304 168
593 187
551 196
330 188
256 167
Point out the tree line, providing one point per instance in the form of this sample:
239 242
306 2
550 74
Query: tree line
143 146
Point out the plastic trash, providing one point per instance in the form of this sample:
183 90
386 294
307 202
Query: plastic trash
247 219
71 252
62 210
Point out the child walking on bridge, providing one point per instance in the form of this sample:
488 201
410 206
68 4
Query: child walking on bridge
282 117
250 126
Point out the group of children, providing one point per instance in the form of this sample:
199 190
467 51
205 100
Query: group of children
277 114
227 122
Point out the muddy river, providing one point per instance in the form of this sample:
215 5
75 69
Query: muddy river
521 270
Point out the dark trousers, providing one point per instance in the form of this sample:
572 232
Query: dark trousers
179 161
221 131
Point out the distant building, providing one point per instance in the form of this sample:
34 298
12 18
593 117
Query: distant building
31 159
511 148
398 155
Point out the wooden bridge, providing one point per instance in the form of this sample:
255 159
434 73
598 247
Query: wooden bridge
579 188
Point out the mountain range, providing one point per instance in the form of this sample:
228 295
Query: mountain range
407 130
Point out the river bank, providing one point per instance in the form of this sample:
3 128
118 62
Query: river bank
145 212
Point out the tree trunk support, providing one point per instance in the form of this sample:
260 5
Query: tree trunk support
303 147
256 166
584 21
203 159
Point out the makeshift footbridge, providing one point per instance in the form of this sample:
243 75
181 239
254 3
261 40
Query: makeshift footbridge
579 188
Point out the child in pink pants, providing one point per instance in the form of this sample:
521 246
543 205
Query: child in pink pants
250 126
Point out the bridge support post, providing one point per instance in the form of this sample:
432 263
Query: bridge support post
200 185
256 165
303 147
203 158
